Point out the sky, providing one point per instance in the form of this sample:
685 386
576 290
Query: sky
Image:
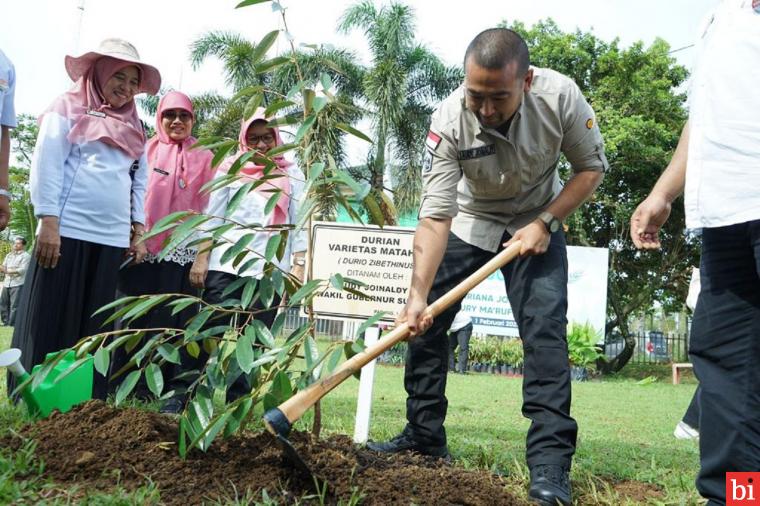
37 34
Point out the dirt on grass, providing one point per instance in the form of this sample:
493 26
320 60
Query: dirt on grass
96 446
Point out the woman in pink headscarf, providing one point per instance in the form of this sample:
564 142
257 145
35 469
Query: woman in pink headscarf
87 181
177 174
215 275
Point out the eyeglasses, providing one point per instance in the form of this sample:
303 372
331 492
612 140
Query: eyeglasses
171 115
253 140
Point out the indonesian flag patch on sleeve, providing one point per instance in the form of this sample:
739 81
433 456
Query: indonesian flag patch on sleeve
433 140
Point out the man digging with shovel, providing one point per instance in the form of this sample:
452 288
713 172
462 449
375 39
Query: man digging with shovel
490 179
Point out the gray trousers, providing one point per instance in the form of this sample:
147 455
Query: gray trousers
9 304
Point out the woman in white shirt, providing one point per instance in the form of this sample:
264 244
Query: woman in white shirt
213 274
87 182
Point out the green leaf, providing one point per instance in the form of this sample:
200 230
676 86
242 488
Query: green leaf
307 124
272 64
253 103
48 366
279 322
306 290
237 248
169 353
234 202
370 322
271 203
248 292
244 353
181 304
311 352
319 103
234 286
263 46
264 335
238 415
325 80
353 131
266 291
333 361
102 361
118 302
127 386
245 92
246 3
336 280
360 190
154 379
316 170
71 368
193 349
282 148
281 388
133 341
276 106
222 152
273 244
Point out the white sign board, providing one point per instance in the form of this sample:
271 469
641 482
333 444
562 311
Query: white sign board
488 306
382 259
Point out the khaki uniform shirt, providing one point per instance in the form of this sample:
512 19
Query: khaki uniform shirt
488 182
18 264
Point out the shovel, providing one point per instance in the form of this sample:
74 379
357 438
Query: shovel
280 420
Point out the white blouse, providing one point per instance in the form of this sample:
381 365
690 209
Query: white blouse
87 186
248 212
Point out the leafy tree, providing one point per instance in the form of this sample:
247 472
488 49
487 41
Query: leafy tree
23 222
640 110
400 88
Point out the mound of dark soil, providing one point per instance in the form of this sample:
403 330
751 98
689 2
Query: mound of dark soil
96 446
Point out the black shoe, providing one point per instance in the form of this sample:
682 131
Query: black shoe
550 485
172 406
404 443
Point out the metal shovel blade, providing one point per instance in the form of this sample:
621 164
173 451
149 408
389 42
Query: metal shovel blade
292 455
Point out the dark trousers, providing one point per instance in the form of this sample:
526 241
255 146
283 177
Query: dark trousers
460 338
691 417
56 306
725 350
9 304
216 282
537 290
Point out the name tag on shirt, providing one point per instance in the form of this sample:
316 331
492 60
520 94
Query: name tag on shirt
479 152
160 171
97 114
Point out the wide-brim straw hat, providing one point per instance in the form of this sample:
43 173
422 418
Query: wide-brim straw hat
121 50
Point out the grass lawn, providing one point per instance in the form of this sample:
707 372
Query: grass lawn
625 432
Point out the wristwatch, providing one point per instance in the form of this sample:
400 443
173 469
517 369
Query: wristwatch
5 193
300 261
551 222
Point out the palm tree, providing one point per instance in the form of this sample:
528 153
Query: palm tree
400 88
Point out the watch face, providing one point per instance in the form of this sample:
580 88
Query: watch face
554 225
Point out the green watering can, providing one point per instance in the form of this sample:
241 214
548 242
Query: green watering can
71 390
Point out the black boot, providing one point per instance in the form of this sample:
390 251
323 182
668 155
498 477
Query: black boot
404 443
550 485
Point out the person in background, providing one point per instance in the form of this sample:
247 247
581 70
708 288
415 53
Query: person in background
459 335
87 180
7 121
688 427
177 174
208 271
14 267
716 166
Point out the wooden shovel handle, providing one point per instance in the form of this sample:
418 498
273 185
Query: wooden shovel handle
299 403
